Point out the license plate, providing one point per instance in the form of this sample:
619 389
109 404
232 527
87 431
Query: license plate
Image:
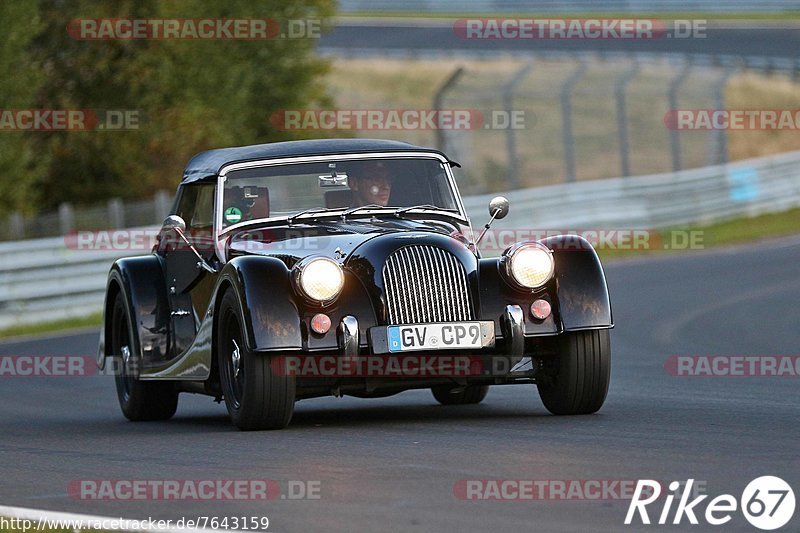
434 336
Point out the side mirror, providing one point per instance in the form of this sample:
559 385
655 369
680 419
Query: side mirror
174 222
498 207
177 224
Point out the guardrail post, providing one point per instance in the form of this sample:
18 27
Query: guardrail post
672 96
438 100
566 118
622 117
718 150
116 213
508 99
66 218
16 226
161 206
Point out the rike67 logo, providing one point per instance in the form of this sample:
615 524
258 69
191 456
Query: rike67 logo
767 502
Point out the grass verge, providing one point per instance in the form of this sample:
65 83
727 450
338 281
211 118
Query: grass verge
700 237
56 326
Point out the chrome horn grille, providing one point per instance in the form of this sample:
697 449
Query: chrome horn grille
425 284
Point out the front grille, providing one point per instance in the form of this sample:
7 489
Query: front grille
425 284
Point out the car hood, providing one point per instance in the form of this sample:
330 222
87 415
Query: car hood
336 240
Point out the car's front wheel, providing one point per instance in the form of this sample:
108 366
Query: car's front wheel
139 400
255 395
582 371
455 395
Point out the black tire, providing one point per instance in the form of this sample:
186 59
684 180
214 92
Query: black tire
256 397
582 373
139 400
454 395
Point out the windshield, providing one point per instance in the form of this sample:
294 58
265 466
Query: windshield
286 190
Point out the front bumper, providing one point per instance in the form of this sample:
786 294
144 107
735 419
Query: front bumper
509 341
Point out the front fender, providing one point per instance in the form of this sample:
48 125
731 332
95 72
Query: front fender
583 298
268 306
140 280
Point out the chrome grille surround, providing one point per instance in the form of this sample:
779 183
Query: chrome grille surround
425 284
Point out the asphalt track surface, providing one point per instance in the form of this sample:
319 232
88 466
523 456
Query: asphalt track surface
411 36
392 464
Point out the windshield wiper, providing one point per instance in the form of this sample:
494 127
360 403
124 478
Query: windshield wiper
401 211
398 212
292 218
359 208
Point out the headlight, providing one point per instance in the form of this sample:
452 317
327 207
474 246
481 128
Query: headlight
320 279
529 265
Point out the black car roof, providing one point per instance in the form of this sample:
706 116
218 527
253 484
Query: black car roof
207 165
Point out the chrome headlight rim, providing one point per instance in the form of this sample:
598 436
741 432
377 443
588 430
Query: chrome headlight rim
301 267
511 253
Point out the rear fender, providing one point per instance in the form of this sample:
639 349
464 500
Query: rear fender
140 280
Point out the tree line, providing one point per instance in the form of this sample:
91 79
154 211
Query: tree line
160 100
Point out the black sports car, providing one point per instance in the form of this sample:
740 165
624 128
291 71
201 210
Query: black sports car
308 268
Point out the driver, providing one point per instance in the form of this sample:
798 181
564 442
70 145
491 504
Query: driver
370 183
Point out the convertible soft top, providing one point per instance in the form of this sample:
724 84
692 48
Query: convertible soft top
207 165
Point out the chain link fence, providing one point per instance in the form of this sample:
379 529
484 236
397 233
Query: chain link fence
68 219
585 117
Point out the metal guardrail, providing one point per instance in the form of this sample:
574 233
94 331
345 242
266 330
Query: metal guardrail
703 195
44 279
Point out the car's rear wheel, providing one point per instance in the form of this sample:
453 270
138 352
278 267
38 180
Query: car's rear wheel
256 396
139 400
455 395
579 383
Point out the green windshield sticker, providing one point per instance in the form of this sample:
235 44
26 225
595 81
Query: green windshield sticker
233 215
